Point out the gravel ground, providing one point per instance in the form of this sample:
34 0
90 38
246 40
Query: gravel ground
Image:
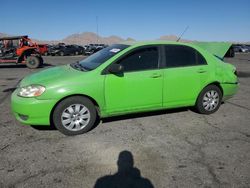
174 148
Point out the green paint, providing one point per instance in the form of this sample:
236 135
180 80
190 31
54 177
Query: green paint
128 93
216 48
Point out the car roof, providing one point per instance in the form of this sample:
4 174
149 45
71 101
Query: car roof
158 42
139 43
216 48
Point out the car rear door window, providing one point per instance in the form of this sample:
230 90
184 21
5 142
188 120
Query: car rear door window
181 56
141 59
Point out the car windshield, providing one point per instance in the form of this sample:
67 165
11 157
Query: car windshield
101 56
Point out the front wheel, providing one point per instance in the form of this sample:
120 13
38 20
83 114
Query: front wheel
209 100
33 62
74 115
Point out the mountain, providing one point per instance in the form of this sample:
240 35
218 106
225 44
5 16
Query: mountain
3 35
89 37
81 39
173 38
86 38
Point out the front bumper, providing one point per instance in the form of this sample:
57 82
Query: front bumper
229 90
32 111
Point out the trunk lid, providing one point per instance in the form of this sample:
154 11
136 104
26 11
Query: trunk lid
218 49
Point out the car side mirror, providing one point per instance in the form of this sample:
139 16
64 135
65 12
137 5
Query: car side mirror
116 69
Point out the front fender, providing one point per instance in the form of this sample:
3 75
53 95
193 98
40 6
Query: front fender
92 89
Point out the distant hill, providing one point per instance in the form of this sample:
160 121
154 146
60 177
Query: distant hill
90 37
81 39
3 35
173 38
87 38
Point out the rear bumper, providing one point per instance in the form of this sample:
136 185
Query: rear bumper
31 111
229 90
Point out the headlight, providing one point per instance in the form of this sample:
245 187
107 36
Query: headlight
31 91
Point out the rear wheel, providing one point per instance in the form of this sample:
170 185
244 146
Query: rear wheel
209 100
74 115
33 62
61 53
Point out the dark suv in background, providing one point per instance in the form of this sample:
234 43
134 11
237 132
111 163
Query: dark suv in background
63 50
93 48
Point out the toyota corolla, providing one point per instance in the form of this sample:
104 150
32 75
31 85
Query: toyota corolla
126 78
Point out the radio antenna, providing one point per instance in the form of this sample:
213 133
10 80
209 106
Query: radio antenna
182 34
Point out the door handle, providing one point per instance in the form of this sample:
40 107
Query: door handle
201 71
155 75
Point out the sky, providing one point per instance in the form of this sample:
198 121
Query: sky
208 20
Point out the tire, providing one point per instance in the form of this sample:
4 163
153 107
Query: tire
41 61
33 62
61 53
209 100
72 121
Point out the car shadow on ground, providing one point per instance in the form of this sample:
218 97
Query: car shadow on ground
243 74
144 114
242 59
119 118
7 66
127 175
47 65
44 127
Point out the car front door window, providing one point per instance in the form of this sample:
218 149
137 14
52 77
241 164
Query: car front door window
139 60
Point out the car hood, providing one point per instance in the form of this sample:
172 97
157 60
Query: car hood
218 49
51 75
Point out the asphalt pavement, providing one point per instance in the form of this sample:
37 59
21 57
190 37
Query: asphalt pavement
173 148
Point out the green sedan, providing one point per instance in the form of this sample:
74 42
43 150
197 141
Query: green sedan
126 78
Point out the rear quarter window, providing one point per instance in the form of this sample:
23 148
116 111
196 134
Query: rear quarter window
182 56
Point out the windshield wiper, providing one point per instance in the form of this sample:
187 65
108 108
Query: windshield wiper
78 66
83 67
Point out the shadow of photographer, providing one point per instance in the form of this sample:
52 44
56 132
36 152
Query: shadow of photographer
127 175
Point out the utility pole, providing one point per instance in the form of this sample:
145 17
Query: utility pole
97 32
